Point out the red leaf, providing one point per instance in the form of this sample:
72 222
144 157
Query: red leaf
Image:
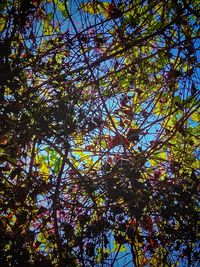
147 223
110 9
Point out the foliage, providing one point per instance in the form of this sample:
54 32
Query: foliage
99 148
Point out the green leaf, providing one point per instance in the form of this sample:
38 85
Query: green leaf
11 160
50 16
3 5
62 8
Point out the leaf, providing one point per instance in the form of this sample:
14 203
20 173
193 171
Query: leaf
78 139
2 23
105 9
195 164
12 218
11 160
158 257
116 247
88 161
96 8
3 139
161 156
40 159
171 121
47 29
91 7
50 16
44 169
121 247
3 5
159 9
41 238
62 8
196 116
142 259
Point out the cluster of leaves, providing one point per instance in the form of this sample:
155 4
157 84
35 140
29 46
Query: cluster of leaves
99 120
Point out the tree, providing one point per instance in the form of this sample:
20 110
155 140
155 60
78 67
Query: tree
99 133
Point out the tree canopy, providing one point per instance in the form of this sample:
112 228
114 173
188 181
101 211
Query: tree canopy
99 133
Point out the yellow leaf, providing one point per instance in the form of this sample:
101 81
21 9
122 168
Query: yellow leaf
104 9
91 7
2 23
159 9
171 121
117 246
96 8
196 116
195 164
122 248
88 161
78 139
142 260
158 257
44 169
47 28
161 156
112 119
153 162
